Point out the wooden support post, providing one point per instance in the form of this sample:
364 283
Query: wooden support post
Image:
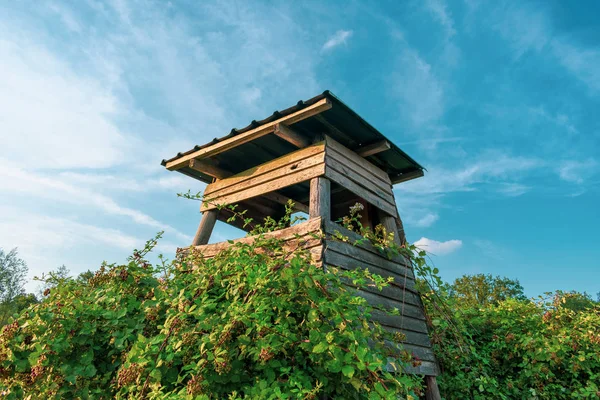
400 228
320 198
389 223
432 392
207 223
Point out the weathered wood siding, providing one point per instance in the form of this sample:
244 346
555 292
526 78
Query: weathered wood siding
358 175
306 235
293 168
400 294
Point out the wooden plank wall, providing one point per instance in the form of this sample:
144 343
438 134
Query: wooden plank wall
288 170
298 236
358 175
401 294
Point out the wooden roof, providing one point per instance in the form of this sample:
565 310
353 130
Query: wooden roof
323 114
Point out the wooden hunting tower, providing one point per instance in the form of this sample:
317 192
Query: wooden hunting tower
324 157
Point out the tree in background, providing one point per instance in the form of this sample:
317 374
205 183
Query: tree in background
13 271
51 280
481 290
574 301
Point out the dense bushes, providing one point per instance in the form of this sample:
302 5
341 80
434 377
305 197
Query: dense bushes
517 349
259 321
254 322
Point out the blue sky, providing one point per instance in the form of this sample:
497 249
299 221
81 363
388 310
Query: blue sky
498 100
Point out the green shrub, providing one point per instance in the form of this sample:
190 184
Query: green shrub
253 322
517 349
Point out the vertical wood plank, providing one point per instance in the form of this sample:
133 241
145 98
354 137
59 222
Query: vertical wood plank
399 225
207 223
400 229
320 198
389 223
432 392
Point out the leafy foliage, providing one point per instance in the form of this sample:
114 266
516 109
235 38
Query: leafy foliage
12 280
256 321
482 290
515 348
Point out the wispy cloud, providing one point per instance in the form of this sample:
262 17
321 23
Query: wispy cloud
421 93
575 171
438 248
47 242
86 120
513 189
439 9
58 119
524 26
491 249
529 28
492 166
338 38
583 63
427 220
18 181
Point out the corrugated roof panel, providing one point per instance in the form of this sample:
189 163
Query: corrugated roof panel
341 122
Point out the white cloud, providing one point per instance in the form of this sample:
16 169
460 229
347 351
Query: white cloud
427 220
575 171
66 17
491 166
46 242
491 249
513 189
525 28
420 91
338 38
435 247
439 9
529 29
86 120
558 119
582 63
18 181
51 117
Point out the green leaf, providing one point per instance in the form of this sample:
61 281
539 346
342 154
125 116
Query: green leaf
321 347
348 371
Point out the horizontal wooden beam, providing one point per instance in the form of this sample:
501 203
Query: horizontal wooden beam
291 136
374 148
265 129
407 176
208 168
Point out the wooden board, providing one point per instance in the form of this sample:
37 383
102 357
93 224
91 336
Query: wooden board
320 198
338 255
407 177
284 171
384 303
360 176
291 136
356 159
360 190
428 368
284 178
373 148
331 228
297 231
260 170
265 129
